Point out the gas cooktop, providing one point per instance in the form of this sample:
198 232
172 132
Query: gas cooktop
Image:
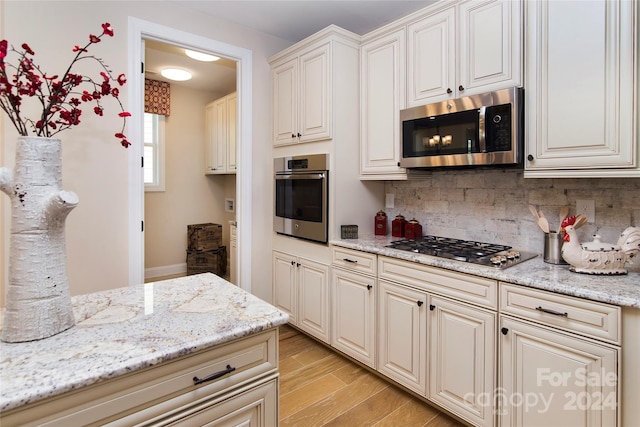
489 254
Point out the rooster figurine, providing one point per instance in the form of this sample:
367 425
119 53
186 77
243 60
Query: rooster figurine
596 257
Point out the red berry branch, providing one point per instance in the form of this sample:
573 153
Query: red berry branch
60 98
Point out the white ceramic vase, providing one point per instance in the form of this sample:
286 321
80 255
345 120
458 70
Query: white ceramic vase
38 302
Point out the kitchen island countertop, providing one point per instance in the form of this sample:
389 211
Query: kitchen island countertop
123 330
622 290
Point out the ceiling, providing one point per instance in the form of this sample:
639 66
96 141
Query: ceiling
291 20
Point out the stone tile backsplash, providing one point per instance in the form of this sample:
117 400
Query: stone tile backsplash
492 205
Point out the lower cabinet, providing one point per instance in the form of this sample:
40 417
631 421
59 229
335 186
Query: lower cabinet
353 314
555 379
238 387
402 331
462 359
301 289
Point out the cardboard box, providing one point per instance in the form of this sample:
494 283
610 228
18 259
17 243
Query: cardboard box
204 237
207 261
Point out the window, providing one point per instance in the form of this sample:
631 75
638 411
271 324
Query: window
153 152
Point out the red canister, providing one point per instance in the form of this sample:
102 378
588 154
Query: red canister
397 226
381 224
413 229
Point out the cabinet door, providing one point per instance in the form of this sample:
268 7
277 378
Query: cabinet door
553 379
284 83
284 284
462 356
315 94
256 407
490 45
403 335
233 255
431 58
219 140
313 300
232 132
580 74
209 143
354 315
382 97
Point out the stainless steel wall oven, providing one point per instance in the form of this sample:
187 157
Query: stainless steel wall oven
301 197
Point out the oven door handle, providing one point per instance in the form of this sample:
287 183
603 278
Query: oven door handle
302 176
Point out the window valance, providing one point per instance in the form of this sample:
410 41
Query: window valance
157 97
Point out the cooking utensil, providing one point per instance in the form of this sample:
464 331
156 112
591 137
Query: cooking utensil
564 211
580 221
534 212
544 224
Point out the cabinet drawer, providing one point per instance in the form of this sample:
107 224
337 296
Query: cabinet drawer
353 260
468 288
128 395
584 317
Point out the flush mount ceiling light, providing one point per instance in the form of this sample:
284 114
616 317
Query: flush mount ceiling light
176 74
199 56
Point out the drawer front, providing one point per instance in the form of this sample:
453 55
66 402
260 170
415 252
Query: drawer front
111 400
353 260
468 288
594 319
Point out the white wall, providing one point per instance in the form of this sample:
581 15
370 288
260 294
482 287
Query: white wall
95 165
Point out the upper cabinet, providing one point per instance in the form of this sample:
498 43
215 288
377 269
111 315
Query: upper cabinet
382 89
464 48
221 131
301 85
581 83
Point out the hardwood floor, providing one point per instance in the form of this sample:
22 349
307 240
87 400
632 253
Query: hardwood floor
319 387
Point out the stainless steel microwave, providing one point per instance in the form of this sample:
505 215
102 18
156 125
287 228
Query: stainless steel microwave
478 130
301 197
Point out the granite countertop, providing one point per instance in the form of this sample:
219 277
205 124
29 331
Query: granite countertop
622 290
123 330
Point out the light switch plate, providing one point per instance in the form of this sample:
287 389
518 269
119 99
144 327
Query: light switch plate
389 201
588 208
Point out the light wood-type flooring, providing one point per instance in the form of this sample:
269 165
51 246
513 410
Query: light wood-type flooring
319 387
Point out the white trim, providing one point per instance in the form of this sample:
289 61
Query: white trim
139 30
159 167
165 270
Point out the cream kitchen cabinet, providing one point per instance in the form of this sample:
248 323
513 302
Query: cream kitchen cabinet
302 96
301 289
463 48
553 371
402 330
462 359
382 96
353 289
240 383
221 130
582 94
233 253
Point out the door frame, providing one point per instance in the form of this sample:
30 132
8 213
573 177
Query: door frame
139 30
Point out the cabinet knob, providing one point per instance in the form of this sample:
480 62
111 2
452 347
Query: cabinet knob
297 264
461 88
504 331
432 307
299 135
530 158
293 135
293 263
420 303
369 287
449 91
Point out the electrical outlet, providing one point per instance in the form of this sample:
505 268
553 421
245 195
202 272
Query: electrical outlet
389 201
588 208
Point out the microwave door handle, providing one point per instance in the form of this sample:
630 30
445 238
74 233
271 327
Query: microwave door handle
481 129
302 176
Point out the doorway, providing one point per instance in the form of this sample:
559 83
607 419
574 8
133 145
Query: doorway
140 30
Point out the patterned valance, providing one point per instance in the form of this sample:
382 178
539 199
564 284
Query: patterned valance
157 97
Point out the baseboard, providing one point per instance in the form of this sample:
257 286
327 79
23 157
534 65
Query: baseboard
165 270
